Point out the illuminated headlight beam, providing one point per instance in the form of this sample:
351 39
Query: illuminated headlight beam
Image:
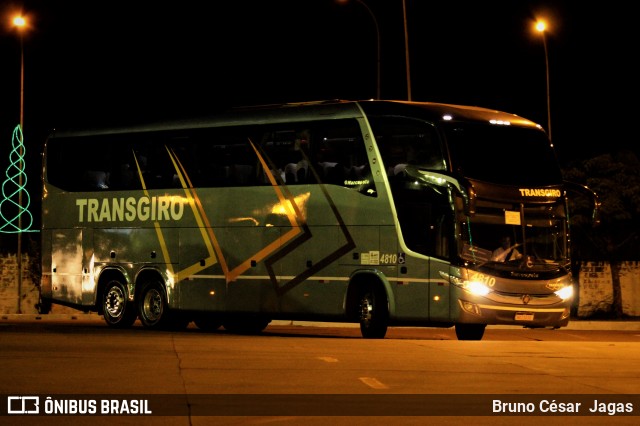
565 293
477 288
474 287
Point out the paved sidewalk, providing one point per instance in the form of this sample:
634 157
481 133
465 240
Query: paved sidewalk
576 324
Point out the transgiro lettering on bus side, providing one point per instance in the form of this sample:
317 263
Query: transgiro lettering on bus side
163 208
540 192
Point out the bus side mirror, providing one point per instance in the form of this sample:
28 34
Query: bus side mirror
590 193
468 195
596 211
470 202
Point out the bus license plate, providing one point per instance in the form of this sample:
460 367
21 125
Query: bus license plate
524 316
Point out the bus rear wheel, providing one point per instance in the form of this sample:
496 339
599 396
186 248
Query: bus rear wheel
152 306
374 313
116 309
470 331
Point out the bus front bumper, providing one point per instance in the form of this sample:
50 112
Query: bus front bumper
524 315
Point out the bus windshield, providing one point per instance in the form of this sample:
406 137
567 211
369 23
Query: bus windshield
505 236
504 231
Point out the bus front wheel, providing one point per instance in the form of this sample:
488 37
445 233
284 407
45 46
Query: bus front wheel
374 313
470 331
152 305
116 309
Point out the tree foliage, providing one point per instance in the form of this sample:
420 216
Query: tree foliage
615 178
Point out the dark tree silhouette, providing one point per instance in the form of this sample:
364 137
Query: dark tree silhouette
616 179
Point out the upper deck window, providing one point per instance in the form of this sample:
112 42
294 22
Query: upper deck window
298 153
407 142
507 155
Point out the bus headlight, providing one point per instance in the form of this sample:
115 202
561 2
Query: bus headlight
565 292
477 288
474 287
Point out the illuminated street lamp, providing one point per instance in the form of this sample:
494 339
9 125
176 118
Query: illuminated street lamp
541 27
20 23
375 22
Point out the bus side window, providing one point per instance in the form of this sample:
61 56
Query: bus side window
297 170
282 150
95 179
341 157
334 173
243 171
331 152
122 177
241 175
405 142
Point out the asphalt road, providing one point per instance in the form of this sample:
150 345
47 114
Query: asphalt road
301 373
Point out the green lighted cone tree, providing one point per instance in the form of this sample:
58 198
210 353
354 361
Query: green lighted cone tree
14 207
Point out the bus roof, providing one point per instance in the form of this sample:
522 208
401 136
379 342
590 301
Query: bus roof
316 110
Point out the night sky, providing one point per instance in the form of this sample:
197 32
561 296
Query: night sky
111 62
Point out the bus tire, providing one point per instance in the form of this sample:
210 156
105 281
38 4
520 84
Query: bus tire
470 331
373 313
117 311
152 306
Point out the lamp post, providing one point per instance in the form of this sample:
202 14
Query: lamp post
406 49
541 27
375 22
20 23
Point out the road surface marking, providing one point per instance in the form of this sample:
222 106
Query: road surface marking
373 383
328 359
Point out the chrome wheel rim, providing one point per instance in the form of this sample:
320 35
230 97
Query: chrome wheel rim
114 302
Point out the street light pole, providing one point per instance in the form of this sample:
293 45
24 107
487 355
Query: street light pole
406 49
20 23
542 27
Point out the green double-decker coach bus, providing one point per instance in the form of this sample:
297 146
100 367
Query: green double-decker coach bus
382 213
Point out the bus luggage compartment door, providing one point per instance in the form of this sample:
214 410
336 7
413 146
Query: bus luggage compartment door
67 266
